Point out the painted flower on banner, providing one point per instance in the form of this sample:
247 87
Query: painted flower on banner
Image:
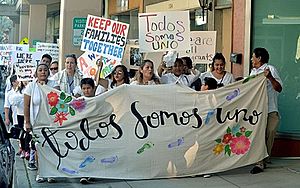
236 140
78 104
52 98
60 117
62 105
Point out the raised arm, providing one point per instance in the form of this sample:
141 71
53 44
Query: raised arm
100 81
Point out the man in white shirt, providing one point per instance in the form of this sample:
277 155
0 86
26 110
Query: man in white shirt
260 58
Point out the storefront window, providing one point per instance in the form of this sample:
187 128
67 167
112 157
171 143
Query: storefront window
276 26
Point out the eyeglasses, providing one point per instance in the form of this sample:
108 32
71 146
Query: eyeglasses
54 68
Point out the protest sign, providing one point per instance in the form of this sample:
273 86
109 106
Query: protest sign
14 47
87 64
48 48
105 37
5 57
25 63
164 31
203 46
139 132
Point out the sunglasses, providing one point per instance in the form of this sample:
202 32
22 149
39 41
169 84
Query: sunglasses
54 68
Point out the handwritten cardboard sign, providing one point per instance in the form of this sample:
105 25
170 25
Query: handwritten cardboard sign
48 48
25 63
105 37
14 47
87 64
164 31
5 57
203 46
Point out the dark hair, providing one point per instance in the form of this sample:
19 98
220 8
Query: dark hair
88 81
262 53
47 56
218 56
13 78
21 87
188 61
211 83
126 75
54 62
139 75
178 60
72 56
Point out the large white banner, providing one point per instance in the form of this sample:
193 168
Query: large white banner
203 46
105 37
164 31
139 132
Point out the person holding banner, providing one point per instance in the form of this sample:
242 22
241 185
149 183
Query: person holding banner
119 76
70 77
145 75
178 76
218 71
32 101
260 59
188 69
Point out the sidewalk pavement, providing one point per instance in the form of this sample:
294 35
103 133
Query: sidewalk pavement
281 173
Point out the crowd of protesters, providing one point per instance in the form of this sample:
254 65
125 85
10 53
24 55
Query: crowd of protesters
22 99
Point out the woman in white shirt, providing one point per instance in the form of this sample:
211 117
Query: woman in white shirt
145 75
177 75
119 76
32 101
218 71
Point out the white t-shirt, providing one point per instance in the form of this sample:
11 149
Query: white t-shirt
135 82
182 79
33 91
272 93
8 102
18 101
227 79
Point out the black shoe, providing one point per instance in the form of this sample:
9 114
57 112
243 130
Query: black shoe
84 181
256 170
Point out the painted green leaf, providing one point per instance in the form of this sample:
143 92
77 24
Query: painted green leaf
218 140
62 96
68 99
228 130
238 134
229 152
72 111
227 149
248 133
53 110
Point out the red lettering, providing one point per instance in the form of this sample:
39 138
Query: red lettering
82 63
90 22
96 23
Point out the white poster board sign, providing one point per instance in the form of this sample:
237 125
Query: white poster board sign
25 63
105 37
5 57
48 48
14 47
155 131
87 64
164 31
203 46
